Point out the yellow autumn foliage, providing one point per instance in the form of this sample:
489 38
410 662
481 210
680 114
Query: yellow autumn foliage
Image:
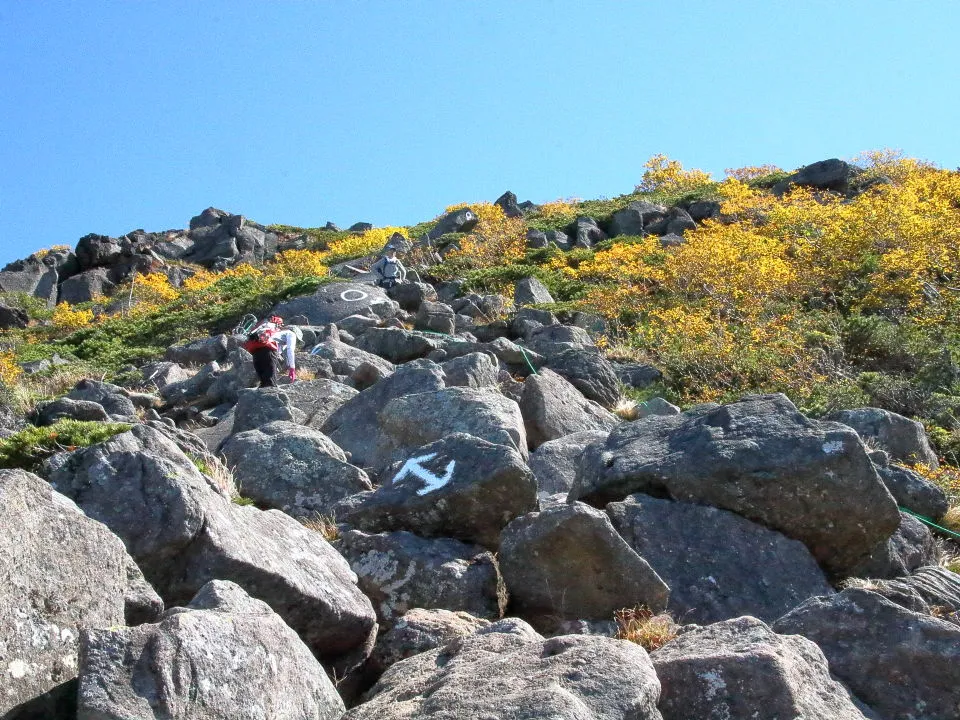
496 240
10 371
663 174
66 317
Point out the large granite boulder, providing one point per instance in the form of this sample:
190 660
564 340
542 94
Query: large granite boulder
225 655
201 351
718 565
904 439
554 463
400 571
553 408
590 373
740 668
901 663
507 670
420 630
460 487
569 563
760 458
63 573
331 303
292 468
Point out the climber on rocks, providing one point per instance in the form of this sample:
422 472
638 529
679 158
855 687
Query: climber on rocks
267 342
388 270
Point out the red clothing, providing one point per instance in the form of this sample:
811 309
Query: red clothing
267 334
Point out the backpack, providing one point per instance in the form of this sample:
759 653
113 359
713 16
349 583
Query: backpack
262 335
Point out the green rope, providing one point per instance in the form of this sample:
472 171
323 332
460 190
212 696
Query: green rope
527 358
931 523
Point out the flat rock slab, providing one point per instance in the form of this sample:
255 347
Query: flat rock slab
569 563
331 303
901 663
461 487
508 671
400 571
62 572
740 668
718 565
225 655
760 458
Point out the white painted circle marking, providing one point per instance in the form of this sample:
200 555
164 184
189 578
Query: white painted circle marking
361 295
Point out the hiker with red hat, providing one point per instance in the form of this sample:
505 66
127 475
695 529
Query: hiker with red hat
265 342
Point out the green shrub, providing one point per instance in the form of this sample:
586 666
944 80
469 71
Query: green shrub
28 448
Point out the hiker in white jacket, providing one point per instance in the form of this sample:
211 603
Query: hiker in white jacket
287 340
388 270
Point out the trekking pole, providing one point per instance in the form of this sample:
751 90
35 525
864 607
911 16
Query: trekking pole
133 281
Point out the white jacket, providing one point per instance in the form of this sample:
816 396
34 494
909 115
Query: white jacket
287 342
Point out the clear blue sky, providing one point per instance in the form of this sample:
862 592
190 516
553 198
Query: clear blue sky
120 115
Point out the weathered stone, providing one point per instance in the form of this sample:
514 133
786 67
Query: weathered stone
256 407
717 564
318 399
435 317
410 295
163 373
193 388
554 463
552 408
637 375
904 439
587 232
292 468
62 572
476 370
590 373
508 203
635 217
86 286
50 411
568 562
901 663
508 671
914 492
530 291
11 317
225 655
111 397
655 406
414 420
400 571
910 547
759 457
200 352
331 303
551 340
461 487
396 345
742 669
420 630
457 221
347 360
928 590
830 174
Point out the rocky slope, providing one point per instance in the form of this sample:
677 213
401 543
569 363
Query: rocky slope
444 520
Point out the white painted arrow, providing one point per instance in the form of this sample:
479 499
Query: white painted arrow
431 482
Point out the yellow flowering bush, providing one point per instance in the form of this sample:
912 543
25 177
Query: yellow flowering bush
367 243
496 240
66 317
662 173
299 263
751 172
10 371
558 212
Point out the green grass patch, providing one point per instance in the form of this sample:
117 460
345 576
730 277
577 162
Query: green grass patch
28 448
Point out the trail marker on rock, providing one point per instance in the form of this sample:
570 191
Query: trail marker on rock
432 482
359 295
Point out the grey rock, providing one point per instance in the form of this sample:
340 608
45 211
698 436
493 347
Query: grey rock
676 222
225 655
901 663
163 373
910 547
292 468
200 352
457 221
346 360
33 277
476 370
436 317
552 340
904 439
507 671
113 398
590 373
671 240
97 250
536 239
400 571
86 286
635 217
256 407
50 411
460 487
553 408
318 399
508 203
914 492
717 564
414 420
758 457
332 303
554 463
830 174
560 239
410 295
355 425
62 572
420 630
238 375
655 406
740 668
395 344
638 376
183 534
193 388
927 590
360 227
587 232
530 291
704 210
12 318
568 562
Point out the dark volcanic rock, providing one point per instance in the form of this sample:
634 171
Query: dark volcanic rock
742 669
400 571
225 655
568 562
901 663
717 564
904 439
590 373
761 458
552 408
